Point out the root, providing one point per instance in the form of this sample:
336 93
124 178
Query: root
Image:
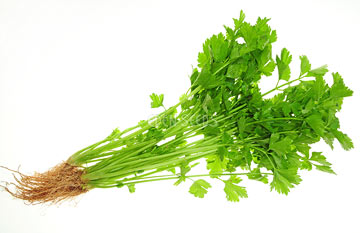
60 183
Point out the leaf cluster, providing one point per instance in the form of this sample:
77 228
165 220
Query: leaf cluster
244 132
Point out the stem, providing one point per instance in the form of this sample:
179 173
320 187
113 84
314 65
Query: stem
266 154
287 83
148 166
275 119
95 150
172 177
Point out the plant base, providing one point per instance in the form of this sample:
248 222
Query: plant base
60 183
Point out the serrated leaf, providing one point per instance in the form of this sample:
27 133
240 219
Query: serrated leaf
324 168
235 70
245 152
284 179
318 157
157 100
344 140
234 192
318 72
219 47
269 68
238 22
215 165
282 146
199 188
338 89
318 88
230 34
305 65
316 123
249 34
282 63
203 60
303 149
306 165
207 80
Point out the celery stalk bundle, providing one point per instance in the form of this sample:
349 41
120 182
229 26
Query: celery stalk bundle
224 118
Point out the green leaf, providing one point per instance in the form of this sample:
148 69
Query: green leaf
338 89
316 123
284 179
205 57
323 165
306 165
264 33
283 64
154 133
238 51
303 149
235 70
230 34
219 47
226 138
203 60
318 72
273 36
344 140
324 168
265 56
245 152
250 36
318 87
281 147
226 118
239 22
234 192
269 68
216 165
195 74
286 108
207 80
199 188
222 152
305 65
211 131
329 139
157 100
318 157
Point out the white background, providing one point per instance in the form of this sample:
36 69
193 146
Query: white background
71 71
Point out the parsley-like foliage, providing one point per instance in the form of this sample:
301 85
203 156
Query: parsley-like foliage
245 131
